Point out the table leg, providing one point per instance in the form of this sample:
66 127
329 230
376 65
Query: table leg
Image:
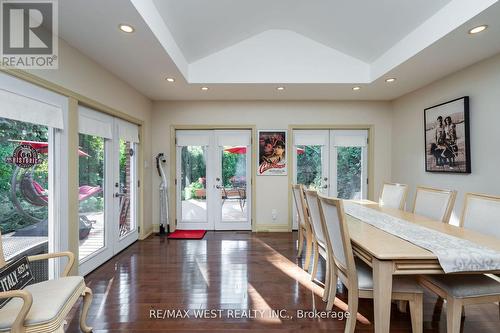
382 294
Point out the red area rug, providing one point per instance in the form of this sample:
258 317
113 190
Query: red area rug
187 234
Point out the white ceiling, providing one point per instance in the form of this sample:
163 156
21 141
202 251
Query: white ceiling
317 49
361 29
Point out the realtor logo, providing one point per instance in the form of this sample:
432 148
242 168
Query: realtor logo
29 34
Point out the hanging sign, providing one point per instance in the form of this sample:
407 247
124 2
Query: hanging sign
14 276
24 156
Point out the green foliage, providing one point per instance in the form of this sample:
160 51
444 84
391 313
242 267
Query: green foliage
191 189
193 165
233 167
349 167
309 167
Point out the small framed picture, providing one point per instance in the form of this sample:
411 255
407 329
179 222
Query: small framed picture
272 153
447 142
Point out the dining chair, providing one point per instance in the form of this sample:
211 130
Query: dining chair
465 289
43 306
355 274
393 195
304 225
434 203
319 244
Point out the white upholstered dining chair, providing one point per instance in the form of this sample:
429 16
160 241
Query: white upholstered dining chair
319 244
355 274
480 213
304 224
393 195
43 306
434 203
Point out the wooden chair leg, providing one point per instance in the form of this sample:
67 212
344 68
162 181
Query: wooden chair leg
307 262
352 308
332 289
87 300
417 313
453 315
315 261
327 280
301 242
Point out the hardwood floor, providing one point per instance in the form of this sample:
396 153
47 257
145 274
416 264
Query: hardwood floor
231 271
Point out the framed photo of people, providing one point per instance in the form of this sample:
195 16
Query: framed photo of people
447 143
272 153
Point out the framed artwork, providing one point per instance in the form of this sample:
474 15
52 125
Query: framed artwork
272 153
447 142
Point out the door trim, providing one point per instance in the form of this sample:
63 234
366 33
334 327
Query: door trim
370 163
172 192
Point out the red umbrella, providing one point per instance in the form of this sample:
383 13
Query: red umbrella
243 150
236 150
43 147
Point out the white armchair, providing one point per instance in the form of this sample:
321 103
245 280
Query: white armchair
43 306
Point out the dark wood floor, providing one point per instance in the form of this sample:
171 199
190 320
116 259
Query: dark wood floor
231 271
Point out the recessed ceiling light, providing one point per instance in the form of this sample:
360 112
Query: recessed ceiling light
126 28
390 80
170 79
356 88
280 88
204 88
478 29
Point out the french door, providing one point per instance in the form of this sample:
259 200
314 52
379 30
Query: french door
334 162
213 172
108 187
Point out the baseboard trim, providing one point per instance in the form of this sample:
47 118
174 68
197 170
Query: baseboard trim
272 228
143 237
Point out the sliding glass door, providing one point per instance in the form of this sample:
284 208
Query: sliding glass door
334 162
213 172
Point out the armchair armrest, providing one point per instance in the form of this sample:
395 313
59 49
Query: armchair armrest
18 324
45 256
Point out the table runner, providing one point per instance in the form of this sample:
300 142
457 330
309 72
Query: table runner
454 254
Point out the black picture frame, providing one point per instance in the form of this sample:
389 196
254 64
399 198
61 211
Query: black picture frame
447 140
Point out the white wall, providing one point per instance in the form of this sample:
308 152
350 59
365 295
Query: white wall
82 75
272 192
482 83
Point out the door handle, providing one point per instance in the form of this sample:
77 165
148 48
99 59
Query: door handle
118 195
218 187
324 186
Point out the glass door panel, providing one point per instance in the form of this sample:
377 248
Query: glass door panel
126 189
310 167
234 183
233 173
91 196
349 172
193 184
349 161
125 147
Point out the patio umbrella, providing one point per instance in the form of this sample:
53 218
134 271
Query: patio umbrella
236 150
243 150
43 147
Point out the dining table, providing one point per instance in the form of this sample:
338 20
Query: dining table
390 255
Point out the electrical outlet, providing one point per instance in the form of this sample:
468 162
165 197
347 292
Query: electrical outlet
274 214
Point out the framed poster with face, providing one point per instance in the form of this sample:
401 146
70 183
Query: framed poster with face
272 153
447 142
